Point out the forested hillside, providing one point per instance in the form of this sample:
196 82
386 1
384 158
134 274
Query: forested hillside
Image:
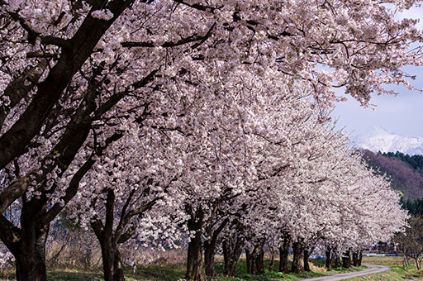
405 171
415 161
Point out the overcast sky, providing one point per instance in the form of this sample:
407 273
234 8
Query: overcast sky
401 114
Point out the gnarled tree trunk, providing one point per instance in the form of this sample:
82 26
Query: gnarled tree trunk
209 251
28 242
195 263
210 248
283 255
360 257
249 257
232 250
306 258
112 267
259 260
337 261
346 259
328 261
30 259
417 261
355 258
255 260
296 261
195 259
272 259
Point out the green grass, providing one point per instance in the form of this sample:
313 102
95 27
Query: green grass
398 272
150 273
73 275
158 273
176 272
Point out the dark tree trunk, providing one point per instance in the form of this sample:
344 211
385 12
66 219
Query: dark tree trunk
283 255
195 263
328 262
272 260
30 261
418 263
108 261
346 260
228 264
355 258
195 259
210 248
255 260
360 257
259 260
209 251
29 250
250 261
112 268
337 261
296 262
232 250
306 258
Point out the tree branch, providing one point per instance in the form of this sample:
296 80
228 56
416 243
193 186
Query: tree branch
33 35
15 140
73 186
17 89
9 233
199 7
113 100
13 192
170 44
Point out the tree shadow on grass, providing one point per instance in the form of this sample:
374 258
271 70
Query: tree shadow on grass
158 273
62 275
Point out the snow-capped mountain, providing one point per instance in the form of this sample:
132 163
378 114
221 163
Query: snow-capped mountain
384 141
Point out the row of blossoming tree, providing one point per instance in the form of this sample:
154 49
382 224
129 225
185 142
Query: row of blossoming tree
164 119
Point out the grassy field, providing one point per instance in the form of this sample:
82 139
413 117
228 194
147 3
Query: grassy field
397 273
176 272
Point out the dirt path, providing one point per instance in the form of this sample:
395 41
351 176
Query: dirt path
371 269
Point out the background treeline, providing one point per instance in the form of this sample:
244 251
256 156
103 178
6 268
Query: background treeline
415 161
415 207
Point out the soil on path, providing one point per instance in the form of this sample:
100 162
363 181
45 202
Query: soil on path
371 269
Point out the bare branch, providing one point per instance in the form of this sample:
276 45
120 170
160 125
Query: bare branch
199 7
200 39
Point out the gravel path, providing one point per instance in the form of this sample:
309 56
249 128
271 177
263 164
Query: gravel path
371 269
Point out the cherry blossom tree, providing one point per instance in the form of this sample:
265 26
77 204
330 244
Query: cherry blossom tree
129 195
327 195
72 71
265 120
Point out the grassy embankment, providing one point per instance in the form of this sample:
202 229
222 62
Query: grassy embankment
398 272
176 272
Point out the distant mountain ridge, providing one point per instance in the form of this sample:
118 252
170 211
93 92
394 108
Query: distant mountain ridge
382 140
405 177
